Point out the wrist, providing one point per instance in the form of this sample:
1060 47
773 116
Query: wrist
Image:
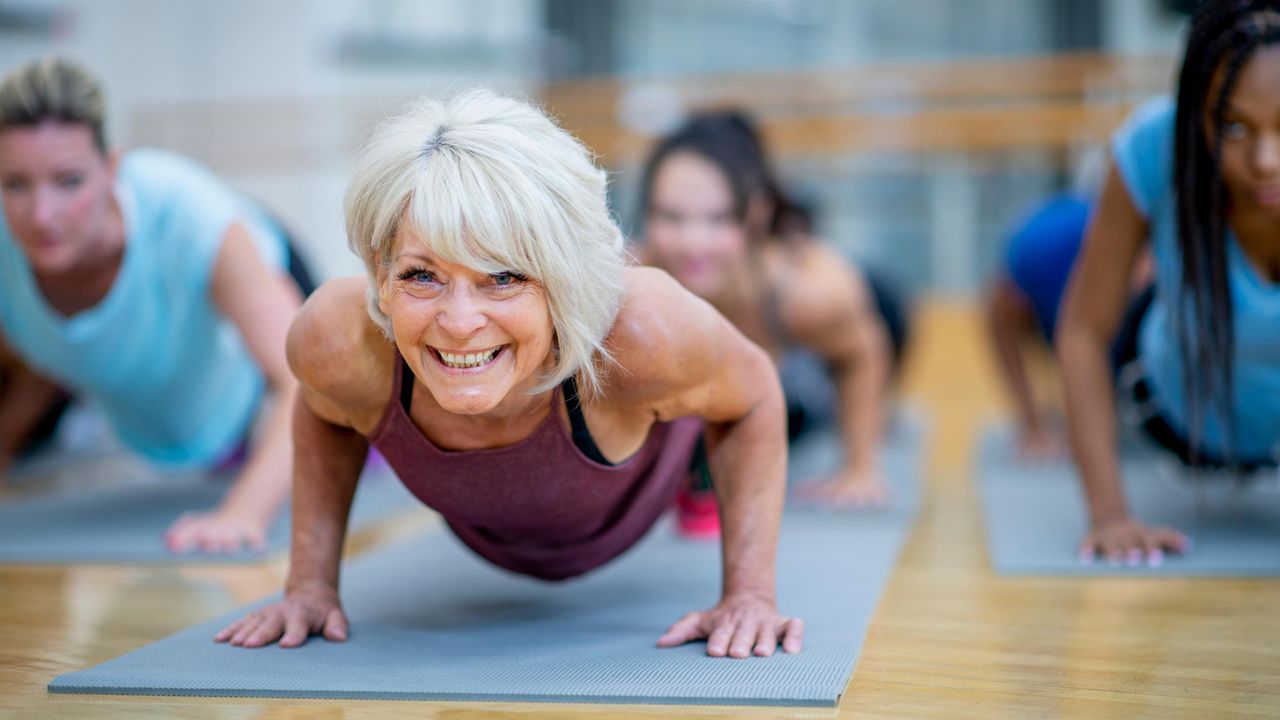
757 593
309 585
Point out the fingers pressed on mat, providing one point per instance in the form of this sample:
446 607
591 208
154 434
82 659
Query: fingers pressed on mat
793 635
335 626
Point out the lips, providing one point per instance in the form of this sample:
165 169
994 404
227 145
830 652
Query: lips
1267 196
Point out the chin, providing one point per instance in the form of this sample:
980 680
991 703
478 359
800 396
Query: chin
467 403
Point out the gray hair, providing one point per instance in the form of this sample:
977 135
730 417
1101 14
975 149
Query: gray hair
54 89
492 184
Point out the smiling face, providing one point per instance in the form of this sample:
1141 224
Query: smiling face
1251 134
691 230
57 192
476 340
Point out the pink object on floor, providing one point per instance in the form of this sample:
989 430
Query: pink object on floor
697 517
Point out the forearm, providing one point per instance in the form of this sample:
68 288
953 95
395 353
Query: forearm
24 400
1006 336
862 387
327 464
1091 421
748 466
264 481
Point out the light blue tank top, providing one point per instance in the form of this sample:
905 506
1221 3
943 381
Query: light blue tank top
170 373
1144 154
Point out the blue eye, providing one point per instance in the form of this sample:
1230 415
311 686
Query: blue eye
507 279
1234 131
70 182
416 275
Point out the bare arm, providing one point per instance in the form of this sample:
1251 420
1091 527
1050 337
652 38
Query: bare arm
693 362
833 313
1011 321
260 302
1090 317
336 381
25 398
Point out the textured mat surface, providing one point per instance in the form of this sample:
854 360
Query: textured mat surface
431 622
1035 516
125 521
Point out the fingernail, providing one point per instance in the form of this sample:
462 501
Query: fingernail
1085 557
1133 558
1155 559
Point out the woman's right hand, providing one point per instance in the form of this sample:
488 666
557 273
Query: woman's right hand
1127 541
303 612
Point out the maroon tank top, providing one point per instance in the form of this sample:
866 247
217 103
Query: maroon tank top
539 507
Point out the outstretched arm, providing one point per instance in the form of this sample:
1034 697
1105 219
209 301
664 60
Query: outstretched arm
337 379
25 398
260 303
1011 321
684 359
1090 318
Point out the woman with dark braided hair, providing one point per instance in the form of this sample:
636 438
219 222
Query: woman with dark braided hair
1201 179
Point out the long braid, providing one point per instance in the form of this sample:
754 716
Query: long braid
1225 34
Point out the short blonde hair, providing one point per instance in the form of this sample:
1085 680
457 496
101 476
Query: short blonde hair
492 184
56 89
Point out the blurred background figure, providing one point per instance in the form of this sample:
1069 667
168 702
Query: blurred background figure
146 287
1023 310
717 219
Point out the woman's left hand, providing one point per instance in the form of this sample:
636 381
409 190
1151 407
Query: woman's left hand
220 531
739 626
849 489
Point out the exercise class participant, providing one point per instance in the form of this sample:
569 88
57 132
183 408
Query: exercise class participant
1199 180
544 398
141 284
719 222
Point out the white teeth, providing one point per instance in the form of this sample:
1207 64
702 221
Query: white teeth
468 360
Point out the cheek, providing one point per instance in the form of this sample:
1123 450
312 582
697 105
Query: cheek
82 208
1235 164
664 237
728 242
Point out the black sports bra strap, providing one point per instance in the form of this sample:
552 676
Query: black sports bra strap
578 423
406 385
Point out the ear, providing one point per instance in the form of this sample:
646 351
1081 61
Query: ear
380 287
113 164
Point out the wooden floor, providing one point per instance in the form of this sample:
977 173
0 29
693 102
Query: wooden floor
949 639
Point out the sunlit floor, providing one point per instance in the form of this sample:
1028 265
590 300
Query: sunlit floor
949 639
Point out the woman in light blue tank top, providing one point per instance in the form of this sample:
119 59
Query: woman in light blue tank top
144 286
1201 180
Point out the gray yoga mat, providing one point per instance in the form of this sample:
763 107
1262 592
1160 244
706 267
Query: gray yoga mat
125 521
429 621
1035 516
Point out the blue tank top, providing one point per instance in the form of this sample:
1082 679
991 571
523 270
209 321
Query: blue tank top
1144 155
166 368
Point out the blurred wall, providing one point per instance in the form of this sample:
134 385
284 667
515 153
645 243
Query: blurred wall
276 95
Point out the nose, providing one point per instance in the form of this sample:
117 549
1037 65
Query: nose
44 209
463 313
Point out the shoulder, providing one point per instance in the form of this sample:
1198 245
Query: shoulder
338 353
162 171
1143 152
661 330
656 312
820 290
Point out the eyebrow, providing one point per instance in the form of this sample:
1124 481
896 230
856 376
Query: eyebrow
417 256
